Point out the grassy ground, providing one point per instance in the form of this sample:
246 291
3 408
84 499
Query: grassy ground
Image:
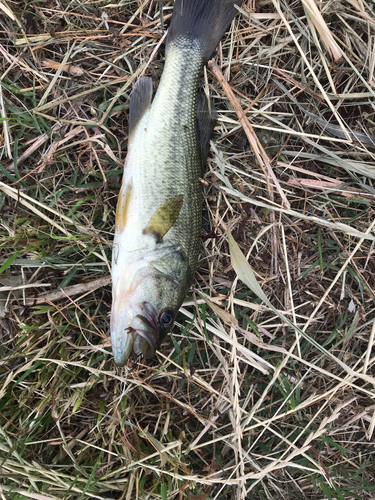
262 392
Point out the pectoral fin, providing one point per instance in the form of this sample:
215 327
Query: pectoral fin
164 217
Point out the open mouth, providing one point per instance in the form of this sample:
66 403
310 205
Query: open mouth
145 337
136 334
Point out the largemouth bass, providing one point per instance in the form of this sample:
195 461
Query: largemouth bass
159 210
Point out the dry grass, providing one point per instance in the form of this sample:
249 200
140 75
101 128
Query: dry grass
261 393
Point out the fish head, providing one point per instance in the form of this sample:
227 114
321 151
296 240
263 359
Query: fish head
146 297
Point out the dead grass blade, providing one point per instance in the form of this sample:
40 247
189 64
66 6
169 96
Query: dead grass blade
317 19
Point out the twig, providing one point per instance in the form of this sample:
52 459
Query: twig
69 291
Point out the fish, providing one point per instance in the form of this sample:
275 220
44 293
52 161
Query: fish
159 209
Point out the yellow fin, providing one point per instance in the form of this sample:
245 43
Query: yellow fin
164 217
123 206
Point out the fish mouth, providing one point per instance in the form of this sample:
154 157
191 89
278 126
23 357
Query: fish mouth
145 337
122 347
138 334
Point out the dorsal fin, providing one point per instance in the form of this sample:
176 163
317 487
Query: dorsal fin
206 122
140 101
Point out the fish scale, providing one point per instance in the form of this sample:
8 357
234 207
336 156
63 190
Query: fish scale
164 159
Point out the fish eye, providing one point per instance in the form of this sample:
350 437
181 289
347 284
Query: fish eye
166 318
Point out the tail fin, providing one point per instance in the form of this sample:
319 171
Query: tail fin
205 20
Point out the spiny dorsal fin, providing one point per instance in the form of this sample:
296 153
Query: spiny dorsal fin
164 217
206 122
140 101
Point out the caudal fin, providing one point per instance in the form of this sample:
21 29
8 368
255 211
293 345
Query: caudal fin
204 20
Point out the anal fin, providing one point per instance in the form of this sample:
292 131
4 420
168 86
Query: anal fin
140 101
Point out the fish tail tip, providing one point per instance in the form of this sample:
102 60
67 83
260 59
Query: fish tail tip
204 20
